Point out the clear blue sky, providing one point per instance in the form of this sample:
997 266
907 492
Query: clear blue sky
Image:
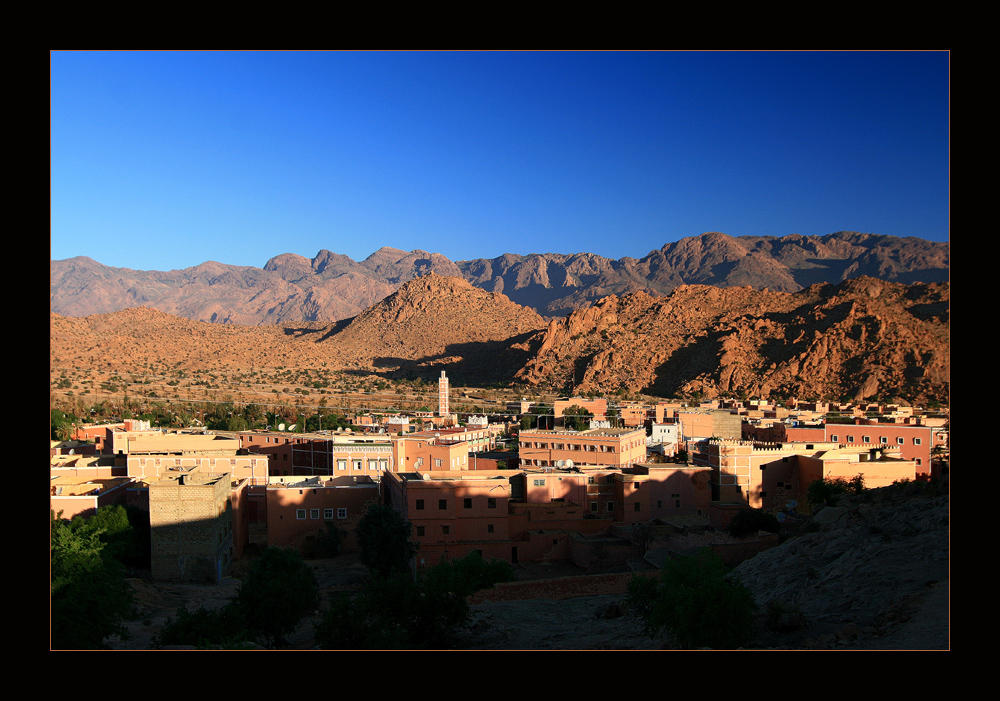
164 160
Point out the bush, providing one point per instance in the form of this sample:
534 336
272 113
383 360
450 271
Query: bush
467 575
223 628
696 602
826 491
397 612
277 592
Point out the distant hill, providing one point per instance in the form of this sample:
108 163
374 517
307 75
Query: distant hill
331 287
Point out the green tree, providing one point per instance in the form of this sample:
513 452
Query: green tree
398 612
577 418
277 592
467 575
383 536
826 491
90 599
222 628
696 602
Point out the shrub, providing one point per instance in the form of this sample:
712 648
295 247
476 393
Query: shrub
826 491
696 602
277 592
223 628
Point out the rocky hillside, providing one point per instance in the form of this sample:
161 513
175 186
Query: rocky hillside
864 338
865 569
332 287
430 322
436 321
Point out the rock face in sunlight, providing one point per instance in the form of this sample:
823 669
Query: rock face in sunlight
862 339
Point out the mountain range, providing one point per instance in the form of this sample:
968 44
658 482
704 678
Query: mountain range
863 339
332 287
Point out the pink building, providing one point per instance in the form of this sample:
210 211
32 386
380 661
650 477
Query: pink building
299 508
912 441
767 476
599 446
75 496
454 512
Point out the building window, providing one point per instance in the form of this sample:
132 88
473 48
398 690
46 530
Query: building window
834 438
866 439
900 441
420 504
467 503
491 503
442 503
300 514
357 464
539 483
850 439
341 464
420 531
916 441
593 506
327 514
611 506
341 513
489 527
314 513
883 440
445 530
637 506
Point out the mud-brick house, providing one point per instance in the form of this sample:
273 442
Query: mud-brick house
198 524
299 509
454 512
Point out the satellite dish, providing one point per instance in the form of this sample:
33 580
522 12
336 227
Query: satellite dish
780 516
281 427
791 504
560 463
569 463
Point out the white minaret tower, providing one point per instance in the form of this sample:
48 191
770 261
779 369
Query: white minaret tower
443 395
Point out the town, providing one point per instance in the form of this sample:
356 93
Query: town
534 484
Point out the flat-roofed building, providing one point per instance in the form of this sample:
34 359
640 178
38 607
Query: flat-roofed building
600 446
767 476
299 509
454 512
71 496
197 524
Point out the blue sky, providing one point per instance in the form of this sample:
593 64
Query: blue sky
165 160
